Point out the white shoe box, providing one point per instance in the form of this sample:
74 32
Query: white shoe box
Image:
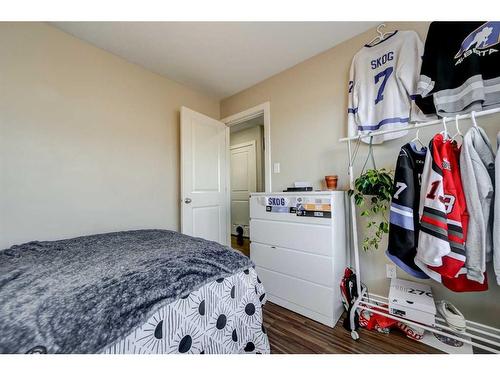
412 301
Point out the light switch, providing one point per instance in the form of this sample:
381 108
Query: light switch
276 168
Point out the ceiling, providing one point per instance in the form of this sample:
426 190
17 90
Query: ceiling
217 58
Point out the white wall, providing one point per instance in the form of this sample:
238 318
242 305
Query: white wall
88 142
308 115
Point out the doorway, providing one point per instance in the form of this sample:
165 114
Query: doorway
248 169
246 176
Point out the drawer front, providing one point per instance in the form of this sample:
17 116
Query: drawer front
303 293
310 238
315 268
258 209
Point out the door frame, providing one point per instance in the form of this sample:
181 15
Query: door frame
238 118
248 114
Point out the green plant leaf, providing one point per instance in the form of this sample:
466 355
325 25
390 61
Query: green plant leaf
374 187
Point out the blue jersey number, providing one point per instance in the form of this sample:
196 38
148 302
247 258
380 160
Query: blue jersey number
386 74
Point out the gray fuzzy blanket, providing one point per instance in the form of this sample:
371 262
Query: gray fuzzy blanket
80 295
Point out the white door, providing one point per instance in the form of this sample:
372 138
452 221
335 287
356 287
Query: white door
243 182
204 211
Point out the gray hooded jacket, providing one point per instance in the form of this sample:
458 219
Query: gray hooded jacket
477 167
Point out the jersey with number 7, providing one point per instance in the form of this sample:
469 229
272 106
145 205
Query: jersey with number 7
404 219
382 84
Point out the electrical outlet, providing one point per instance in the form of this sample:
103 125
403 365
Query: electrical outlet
390 270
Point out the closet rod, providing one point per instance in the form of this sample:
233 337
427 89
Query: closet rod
420 125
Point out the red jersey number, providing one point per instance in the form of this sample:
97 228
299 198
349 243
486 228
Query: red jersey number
447 200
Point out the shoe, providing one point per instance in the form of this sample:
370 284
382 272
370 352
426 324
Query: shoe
451 315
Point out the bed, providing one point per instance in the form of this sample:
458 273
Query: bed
145 291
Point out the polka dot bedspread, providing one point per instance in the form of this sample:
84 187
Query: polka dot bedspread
222 317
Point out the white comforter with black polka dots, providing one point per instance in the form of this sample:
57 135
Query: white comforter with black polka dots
221 317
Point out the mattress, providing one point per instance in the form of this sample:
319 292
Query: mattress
221 317
145 291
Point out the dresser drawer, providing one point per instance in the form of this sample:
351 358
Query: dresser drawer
313 297
260 210
315 268
310 238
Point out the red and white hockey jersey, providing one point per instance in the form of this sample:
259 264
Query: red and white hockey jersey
443 219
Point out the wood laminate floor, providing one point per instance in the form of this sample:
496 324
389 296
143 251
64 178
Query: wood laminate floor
244 248
291 333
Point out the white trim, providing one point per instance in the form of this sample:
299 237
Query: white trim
244 144
228 187
401 212
238 118
261 109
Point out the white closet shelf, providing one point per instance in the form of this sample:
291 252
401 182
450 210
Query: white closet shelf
420 125
477 334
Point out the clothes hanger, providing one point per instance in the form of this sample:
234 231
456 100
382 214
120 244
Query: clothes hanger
458 133
445 131
381 35
417 139
473 117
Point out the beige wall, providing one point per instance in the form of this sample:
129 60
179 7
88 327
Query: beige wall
255 133
88 142
308 113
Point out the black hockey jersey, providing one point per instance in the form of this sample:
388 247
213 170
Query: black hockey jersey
404 218
460 68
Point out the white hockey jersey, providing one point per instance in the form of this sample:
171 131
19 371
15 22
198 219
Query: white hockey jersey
382 86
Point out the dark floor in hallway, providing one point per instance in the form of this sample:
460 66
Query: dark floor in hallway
244 248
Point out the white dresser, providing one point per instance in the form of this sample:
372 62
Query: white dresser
300 250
